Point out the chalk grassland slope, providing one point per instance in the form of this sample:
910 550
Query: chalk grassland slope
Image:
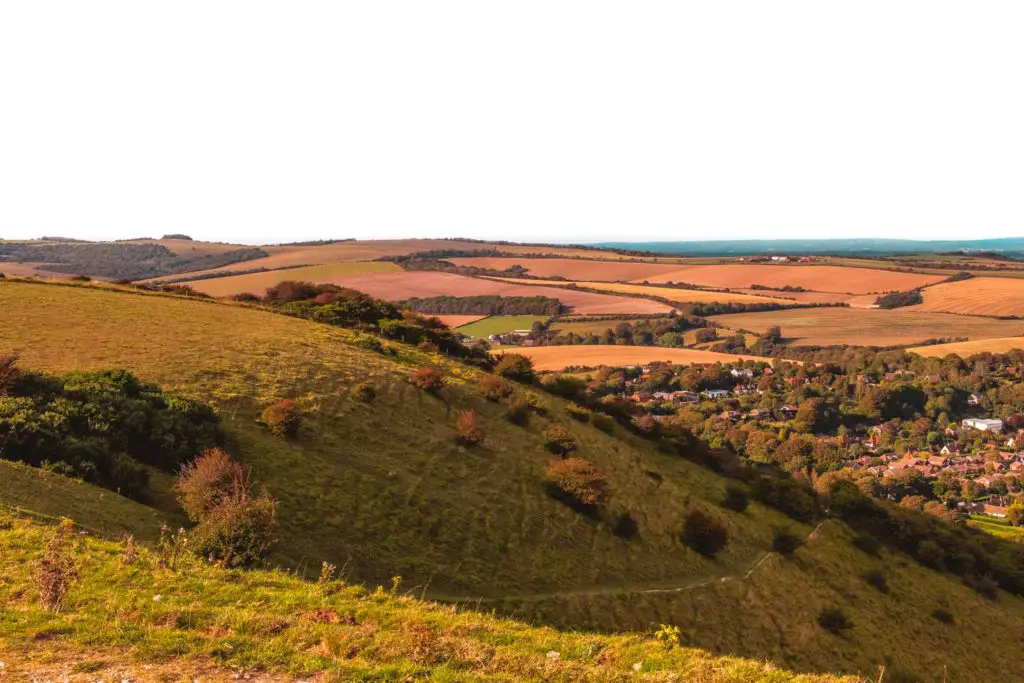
257 283
406 284
869 327
969 348
977 296
213 625
836 279
502 324
559 357
670 293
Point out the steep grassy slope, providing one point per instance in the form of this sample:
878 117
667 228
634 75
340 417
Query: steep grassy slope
383 489
140 621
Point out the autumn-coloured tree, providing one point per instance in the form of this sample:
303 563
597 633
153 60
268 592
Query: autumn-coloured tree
427 379
208 481
515 366
467 429
580 480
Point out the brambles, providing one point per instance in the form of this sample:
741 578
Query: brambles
428 379
834 621
704 534
495 388
467 429
560 441
363 392
785 542
282 418
736 498
579 480
876 579
56 571
515 366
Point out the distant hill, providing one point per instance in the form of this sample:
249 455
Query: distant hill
1008 246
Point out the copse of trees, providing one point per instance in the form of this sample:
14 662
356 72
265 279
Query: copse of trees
899 299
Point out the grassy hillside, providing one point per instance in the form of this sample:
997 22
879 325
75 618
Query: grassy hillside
384 490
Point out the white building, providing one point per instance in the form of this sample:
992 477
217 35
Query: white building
983 425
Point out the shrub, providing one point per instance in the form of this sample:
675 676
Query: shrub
8 372
602 422
876 579
536 402
834 621
369 343
578 412
785 495
495 388
56 571
282 418
867 544
943 616
208 481
579 479
515 366
246 298
704 534
736 498
518 411
929 553
467 429
363 392
428 379
625 526
985 586
80 278
560 441
785 542
646 425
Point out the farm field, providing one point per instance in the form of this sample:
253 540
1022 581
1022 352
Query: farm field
997 527
193 248
257 283
454 321
854 300
501 324
869 327
561 357
732 276
970 348
997 296
678 295
405 284
28 270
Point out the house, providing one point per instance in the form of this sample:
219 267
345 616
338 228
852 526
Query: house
938 460
716 393
788 411
983 425
760 414
731 415
973 400
641 397
952 448
995 510
742 372
745 389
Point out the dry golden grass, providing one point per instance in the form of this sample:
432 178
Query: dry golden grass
454 321
998 296
257 283
970 348
194 248
869 327
27 270
560 357
678 295
816 278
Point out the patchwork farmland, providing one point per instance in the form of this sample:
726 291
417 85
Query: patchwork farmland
671 293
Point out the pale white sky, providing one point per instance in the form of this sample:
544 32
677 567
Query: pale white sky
543 121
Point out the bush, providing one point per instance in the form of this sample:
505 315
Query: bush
930 554
536 402
369 343
578 412
736 498
625 526
867 544
207 482
495 388
985 586
704 534
646 425
56 571
8 372
428 379
467 429
834 621
518 411
560 441
943 616
603 422
363 392
876 579
785 542
579 479
282 418
515 366
785 495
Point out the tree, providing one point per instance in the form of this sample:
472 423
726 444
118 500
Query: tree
515 366
703 534
428 379
208 481
736 498
579 479
706 334
282 418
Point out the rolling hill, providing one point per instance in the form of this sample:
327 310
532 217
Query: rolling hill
384 490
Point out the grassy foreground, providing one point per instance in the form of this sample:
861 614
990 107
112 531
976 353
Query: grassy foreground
137 617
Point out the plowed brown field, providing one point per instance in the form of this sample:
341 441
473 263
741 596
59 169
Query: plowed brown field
404 285
561 357
1001 296
869 327
733 276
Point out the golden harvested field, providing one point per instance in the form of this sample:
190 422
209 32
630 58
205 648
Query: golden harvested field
970 348
257 283
999 296
407 284
560 357
194 248
27 270
678 295
869 327
732 276
454 321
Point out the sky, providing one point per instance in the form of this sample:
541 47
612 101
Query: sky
552 121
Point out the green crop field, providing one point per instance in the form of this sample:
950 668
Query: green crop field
501 324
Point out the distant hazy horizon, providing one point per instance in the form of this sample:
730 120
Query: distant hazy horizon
574 122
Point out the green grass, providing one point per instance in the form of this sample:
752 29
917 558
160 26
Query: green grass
997 527
383 489
148 621
501 324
